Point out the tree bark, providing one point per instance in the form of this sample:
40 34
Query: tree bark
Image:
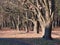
0 27
47 34
35 27
38 27
18 23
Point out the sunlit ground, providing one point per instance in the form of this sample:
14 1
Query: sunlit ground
10 33
13 37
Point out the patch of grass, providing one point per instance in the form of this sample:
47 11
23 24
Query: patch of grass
40 41
29 41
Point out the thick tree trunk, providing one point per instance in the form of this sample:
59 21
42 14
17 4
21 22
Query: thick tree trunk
47 34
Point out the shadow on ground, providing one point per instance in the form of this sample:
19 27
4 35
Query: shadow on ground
13 41
28 41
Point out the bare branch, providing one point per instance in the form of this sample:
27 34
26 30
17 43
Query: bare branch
41 1
47 10
39 13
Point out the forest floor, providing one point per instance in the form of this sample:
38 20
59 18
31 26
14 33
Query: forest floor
10 33
14 37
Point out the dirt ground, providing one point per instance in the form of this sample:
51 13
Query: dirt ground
10 33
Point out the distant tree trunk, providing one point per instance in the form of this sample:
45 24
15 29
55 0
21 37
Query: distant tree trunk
0 26
38 26
18 23
5 24
18 27
35 27
59 22
26 27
